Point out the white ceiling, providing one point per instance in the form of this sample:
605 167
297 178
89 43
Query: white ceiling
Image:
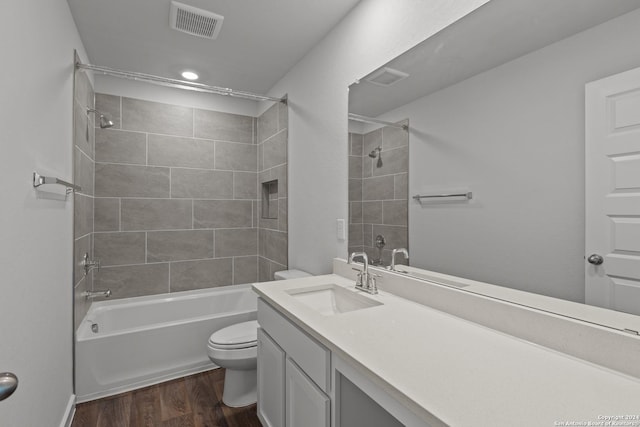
493 34
259 42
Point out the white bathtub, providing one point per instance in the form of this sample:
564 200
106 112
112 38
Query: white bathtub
147 340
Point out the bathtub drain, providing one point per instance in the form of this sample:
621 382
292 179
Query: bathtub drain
94 328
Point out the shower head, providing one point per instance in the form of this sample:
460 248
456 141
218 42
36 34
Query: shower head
105 122
377 153
374 153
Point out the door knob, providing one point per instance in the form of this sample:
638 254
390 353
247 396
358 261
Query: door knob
595 259
8 384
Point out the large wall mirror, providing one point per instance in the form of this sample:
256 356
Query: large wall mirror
495 108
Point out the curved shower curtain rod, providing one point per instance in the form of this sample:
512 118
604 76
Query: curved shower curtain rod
181 84
365 119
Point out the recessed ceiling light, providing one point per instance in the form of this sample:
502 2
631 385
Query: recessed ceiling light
189 75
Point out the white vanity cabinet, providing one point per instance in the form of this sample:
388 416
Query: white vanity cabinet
302 384
271 370
306 405
293 374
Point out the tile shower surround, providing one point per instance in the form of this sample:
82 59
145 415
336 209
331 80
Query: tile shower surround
83 206
378 197
177 197
272 138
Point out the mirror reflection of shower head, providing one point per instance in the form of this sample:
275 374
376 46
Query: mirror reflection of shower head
105 122
377 153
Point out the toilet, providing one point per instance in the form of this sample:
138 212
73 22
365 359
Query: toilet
235 348
290 274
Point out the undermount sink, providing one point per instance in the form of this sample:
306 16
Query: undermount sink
331 299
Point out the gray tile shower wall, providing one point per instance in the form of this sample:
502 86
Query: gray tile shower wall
177 197
83 175
272 131
378 194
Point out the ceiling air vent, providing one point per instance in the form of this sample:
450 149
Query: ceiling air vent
386 76
194 21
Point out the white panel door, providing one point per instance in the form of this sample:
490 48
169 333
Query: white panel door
271 359
306 405
613 192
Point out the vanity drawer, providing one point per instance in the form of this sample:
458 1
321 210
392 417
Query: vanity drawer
311 356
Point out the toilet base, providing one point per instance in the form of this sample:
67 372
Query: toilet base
240 387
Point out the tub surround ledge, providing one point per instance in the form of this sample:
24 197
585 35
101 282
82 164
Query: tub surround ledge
447 370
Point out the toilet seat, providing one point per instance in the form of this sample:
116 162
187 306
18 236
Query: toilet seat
235 337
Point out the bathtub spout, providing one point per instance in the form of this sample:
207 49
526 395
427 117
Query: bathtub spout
97 294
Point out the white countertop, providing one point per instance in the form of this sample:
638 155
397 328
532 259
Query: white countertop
462 373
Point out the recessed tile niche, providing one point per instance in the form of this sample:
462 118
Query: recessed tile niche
270 199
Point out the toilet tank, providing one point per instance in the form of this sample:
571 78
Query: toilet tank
290 274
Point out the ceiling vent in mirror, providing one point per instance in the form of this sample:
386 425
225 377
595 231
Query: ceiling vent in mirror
386 76
194 21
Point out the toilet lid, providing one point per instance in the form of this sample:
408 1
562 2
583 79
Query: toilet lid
240 335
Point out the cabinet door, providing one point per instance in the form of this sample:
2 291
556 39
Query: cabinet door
271 370
306 405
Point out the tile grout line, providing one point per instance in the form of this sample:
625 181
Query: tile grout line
273 136
175 261
157 230
85 154
215 145
184 167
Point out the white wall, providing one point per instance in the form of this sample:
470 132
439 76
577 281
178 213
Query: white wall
373 33
515 136
36 80
187 98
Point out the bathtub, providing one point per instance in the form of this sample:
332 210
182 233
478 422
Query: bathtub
146 340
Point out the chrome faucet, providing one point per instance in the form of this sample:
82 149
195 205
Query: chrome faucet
403 251
366 281
97 294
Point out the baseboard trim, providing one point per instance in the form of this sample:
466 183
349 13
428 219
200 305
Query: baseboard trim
67 419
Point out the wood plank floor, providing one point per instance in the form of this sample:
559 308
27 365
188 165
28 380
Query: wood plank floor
193 401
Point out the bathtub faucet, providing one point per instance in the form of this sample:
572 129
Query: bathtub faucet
97 294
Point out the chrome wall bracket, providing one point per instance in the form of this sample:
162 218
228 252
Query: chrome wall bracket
39 180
